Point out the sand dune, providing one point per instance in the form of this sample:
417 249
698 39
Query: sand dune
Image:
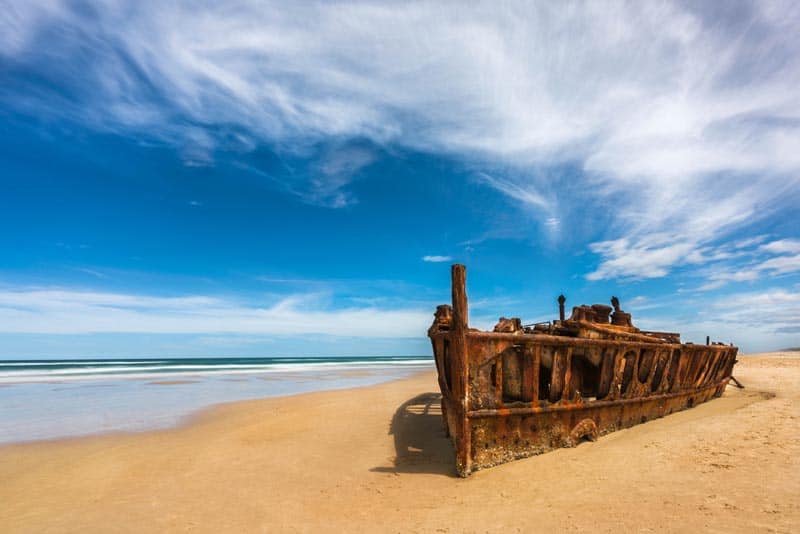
376 459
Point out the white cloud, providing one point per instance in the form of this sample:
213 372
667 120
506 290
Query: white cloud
782 246
65 311
782 264
753 263
774 311
326 187
753 320
638 259
684 117
437 259
526 194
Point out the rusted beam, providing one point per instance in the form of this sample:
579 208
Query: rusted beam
576 406
557 376
566 393
547 339
530 372
498 381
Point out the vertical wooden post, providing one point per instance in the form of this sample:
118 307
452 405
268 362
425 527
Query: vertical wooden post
461 371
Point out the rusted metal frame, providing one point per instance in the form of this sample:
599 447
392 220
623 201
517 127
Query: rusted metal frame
459 356
665 381
659 361
647 385
610 329
713 358
619 373
615 390
664 384
558 374
720 372
567 393
723 364
636 389
731 363
686 368
546 339
729 366
441 362
702 365
482 354
483 357
686 372
673 370
730 360
694 368
531 355
684 362
720 367
691 359
559 407
606 372
658 333
498 381
633 381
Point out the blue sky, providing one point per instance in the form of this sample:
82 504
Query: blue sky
257 178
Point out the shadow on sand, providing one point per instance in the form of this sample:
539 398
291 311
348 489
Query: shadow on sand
419 438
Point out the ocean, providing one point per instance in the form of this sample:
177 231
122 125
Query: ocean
49 399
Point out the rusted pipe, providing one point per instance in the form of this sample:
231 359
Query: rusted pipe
738 384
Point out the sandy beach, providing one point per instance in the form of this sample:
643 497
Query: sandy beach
376 459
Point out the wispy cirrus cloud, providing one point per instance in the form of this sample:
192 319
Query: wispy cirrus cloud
782 246
750 262
71 311
681 118
767 319
524 193
774 310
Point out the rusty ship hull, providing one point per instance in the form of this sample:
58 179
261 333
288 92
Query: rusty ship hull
518 392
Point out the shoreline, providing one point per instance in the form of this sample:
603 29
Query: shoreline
198 414
37 411
376 458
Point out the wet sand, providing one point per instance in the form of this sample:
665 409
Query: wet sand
376 459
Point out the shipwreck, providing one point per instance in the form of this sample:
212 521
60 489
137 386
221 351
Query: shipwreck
523 390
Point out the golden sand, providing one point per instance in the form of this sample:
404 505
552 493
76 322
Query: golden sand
376 459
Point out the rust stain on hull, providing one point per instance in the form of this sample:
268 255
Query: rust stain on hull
524 390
